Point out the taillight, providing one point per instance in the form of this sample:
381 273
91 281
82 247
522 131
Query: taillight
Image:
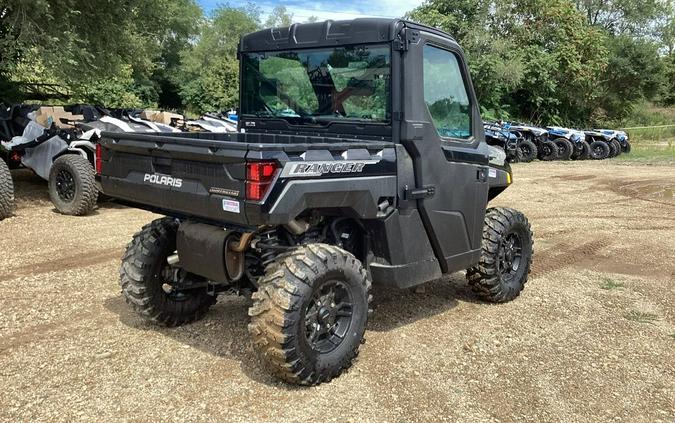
99 160
259 176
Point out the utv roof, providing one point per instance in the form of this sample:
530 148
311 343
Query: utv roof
330 33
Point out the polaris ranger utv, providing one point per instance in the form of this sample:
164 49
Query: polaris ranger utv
360 157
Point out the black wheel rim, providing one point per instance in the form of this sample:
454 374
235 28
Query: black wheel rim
328 316
598 150
65 185
510 255
525 149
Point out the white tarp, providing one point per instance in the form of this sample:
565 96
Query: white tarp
30 132
41 158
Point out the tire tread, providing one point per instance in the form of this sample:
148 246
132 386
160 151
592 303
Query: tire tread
275 310
484 278
86 201
7 202
137 264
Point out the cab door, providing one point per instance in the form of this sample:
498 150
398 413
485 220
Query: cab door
443 132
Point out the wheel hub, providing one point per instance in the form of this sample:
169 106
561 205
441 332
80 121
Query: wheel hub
328 316
65 185
510 253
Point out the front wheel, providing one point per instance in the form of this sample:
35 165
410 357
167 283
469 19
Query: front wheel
548 151
626 147
565 148
581 151
506 256
599 150
309 314
6 191
72 185
528 151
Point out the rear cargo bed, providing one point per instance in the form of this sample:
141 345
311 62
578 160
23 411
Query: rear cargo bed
203 175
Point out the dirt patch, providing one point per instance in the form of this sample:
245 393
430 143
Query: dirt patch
80 260
661 191
574 177
592 337
563 255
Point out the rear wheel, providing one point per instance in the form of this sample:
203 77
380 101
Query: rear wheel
599 150
626 148
506 256
153 288
617 147
6 191
564 147
72 185
528 150
548 151
582 151
309 314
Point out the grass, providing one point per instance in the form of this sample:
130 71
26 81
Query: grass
672 335
651 131
651 134
641 317
610 284
659 153
646 114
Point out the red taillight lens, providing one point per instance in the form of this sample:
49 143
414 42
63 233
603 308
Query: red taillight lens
260 171
259 176
99 160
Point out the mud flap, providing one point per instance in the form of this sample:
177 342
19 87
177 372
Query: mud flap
201 250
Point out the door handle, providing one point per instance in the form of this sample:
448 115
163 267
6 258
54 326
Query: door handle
419 193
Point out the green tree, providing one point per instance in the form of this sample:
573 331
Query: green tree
208 78
635 73
279 18
667 97
666 28
90 42
622 16
535 59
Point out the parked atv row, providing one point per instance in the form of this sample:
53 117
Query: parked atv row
59 144
524 143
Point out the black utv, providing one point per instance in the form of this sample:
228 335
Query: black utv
360 158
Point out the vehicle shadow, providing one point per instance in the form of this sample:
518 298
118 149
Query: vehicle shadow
29 187
223 332
393 308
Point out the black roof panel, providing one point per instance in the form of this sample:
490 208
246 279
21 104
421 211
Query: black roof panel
328 33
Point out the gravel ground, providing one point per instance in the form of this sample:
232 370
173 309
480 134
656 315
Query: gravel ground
592 338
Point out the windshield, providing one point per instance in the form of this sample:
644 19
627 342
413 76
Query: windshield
318 86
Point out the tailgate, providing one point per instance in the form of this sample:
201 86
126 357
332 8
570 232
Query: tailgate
176 175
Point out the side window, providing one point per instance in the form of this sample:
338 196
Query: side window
445 93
